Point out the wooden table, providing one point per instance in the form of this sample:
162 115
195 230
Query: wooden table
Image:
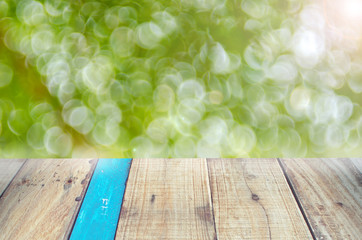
180 199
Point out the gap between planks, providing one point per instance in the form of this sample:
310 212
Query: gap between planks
167 199
330 192
212 201
99 213
43 192
71 226
297 199
125 190
208 177
8 177
134 218
253 200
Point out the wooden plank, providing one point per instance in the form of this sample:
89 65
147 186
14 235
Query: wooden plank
252 200
8 169
358 163
98 216
330 192
167 199
42 200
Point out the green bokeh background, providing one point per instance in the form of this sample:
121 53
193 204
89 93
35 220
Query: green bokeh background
179 78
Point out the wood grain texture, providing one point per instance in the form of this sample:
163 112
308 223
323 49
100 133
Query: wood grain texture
167 199
330 191
358 163
252 200
8 169
99 213
42 200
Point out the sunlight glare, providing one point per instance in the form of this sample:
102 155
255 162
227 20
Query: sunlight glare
353 9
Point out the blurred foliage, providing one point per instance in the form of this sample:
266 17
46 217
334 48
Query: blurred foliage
180 78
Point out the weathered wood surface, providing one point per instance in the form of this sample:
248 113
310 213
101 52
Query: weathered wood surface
252 200
167 199
8 169
358 163
188 198
99 213
42 200
330 191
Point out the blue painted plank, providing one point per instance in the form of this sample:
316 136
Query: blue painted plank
99 213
